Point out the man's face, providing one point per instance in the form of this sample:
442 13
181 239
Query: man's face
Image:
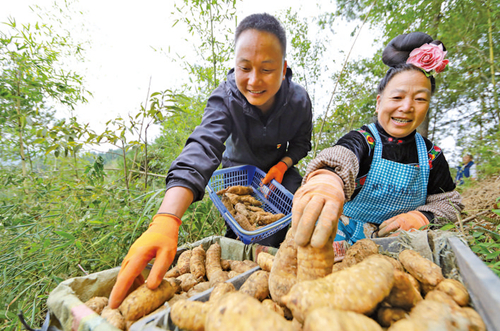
466 159
259 68
403 104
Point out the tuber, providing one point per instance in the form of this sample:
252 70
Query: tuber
197 262
189 315
265 261
456 290
182 266
237 311
114 317
359 288
142 301
97 304
325 318
257 285
313 263
221 289
424 270
283 274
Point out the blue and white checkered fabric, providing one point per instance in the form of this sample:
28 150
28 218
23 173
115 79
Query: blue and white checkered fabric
390 189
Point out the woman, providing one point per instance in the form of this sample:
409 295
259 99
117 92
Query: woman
383 177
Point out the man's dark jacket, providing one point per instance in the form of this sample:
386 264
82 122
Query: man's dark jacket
249 139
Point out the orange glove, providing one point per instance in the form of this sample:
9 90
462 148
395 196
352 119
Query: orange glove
277 172
320 199
160 241
407 221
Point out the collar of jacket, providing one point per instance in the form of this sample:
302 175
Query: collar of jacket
283 95
381 131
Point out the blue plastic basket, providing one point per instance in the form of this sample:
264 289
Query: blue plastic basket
278 200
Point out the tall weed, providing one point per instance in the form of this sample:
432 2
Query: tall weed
55 226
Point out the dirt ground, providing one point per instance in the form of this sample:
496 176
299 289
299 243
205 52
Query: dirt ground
479 199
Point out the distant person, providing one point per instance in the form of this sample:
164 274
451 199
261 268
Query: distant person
384 177
466 170
265 120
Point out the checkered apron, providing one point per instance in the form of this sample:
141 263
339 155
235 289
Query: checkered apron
390 189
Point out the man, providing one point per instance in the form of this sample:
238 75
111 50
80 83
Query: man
259 116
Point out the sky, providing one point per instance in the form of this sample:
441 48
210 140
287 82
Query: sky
128 41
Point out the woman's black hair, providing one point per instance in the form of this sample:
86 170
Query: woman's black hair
263 22
396 54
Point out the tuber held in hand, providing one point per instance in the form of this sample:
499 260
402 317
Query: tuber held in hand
284 271
142 301
359 288
314 263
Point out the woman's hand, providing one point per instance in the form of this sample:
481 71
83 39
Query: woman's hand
407 221
317 206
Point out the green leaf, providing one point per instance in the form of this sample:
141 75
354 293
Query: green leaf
9 314
493 255
447 227
51 148
66 235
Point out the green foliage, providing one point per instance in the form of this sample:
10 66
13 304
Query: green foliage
466 104
30 77
486 244
175 131
211 22
62 226
306 54
95 172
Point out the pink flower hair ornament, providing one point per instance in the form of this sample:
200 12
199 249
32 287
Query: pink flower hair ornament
429 58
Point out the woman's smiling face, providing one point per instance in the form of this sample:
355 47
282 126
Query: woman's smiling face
259 68
403 104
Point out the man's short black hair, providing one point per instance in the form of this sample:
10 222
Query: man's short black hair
263 22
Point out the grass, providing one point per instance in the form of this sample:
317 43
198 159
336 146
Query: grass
61 227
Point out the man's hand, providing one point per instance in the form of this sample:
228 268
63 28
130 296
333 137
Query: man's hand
159 241
407 221
321 199
277 172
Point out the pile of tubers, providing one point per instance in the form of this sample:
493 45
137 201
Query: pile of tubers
246 209
196 271
302 288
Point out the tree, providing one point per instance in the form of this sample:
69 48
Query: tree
31 80
211 22
472 39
